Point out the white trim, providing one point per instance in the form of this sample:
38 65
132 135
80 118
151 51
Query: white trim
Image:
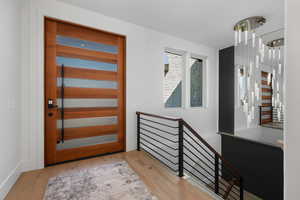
183 78
184 96
202 187
186 67
204 81
175 51
33 87
10 180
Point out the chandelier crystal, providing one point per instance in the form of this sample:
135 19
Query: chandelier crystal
248 58
253 55
277 78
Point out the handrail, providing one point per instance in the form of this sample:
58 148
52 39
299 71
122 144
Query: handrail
236 171
159 116
159 141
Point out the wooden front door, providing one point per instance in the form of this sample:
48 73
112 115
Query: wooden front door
84 92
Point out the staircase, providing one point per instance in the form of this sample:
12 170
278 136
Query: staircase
180 148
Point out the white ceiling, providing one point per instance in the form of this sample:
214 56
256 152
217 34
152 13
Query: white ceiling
207 22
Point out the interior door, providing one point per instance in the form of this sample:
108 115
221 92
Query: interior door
84 92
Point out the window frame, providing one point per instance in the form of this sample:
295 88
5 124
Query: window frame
183 68
204 80
186 79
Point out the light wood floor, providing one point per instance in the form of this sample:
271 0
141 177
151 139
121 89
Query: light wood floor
160 181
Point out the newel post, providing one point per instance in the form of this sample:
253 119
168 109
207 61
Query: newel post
138 131
180 147
216 174
241 188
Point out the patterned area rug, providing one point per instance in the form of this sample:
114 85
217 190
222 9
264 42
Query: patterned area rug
105 182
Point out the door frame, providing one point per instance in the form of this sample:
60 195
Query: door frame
123 78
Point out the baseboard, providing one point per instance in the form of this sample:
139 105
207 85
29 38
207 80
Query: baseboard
6 185
27 166
202 187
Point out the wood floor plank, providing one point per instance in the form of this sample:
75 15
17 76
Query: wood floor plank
160 181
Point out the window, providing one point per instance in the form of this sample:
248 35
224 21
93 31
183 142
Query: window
184 79
173 74
196 82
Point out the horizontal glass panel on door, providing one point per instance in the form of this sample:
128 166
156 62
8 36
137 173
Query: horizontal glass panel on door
85 122
78 127
86 131
86 64
81 142
85 83
78 43
83 103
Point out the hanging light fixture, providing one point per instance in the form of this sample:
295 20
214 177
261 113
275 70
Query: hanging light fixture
277 77
276 43
248 26
249 55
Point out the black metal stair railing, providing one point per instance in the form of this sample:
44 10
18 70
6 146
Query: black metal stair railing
179 147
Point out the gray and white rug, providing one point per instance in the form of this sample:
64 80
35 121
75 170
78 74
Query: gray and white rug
105 182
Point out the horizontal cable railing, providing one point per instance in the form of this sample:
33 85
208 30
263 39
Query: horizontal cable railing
180 148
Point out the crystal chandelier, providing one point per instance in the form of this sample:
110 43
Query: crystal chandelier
252 56
249 54
247 27
276 61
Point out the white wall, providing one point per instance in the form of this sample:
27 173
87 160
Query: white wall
145 70
292 133
10 94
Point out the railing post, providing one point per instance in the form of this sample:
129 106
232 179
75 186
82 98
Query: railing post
272 113
138 131
180 147
216 174
260 117
241 188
